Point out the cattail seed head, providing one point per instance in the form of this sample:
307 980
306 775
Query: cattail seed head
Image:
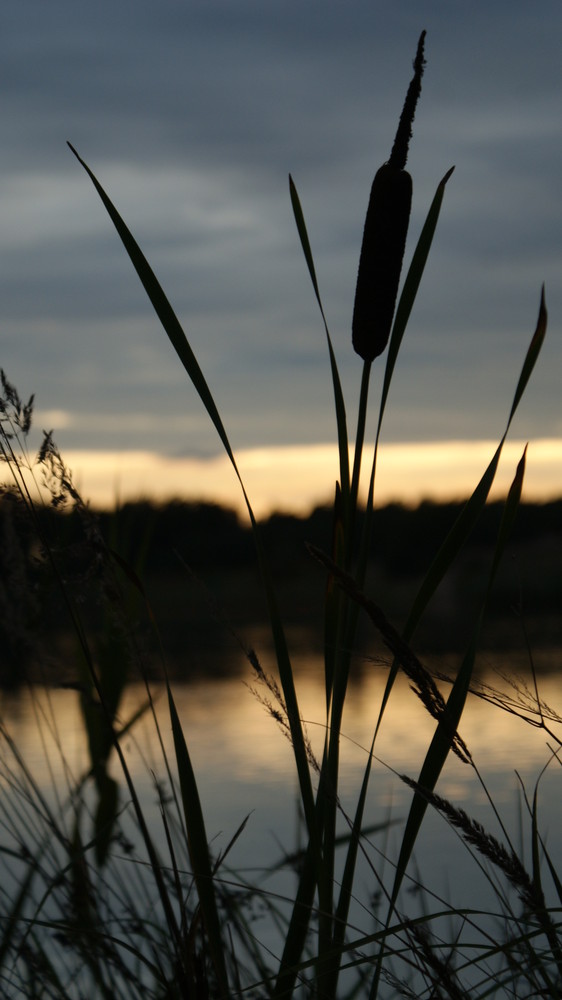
384 235
380 263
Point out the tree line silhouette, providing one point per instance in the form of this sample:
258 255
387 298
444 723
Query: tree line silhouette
177 550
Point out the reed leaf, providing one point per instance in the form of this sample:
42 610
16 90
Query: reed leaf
341 419
297 931
198 849
472 510
106 813
162 307
410 288
554 875
443 738
542 913
531 357
442 741
11 922
181 345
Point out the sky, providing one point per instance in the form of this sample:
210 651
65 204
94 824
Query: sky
192 114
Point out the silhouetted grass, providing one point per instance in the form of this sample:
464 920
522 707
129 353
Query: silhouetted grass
85 913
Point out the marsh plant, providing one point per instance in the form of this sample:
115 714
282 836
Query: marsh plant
89 911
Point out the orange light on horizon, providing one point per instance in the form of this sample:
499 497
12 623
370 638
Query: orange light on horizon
297 478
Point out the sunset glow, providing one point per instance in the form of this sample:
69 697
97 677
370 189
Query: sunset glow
297 479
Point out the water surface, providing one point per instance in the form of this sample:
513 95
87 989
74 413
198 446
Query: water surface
245 769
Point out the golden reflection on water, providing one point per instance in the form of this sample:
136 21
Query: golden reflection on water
245 769
233 739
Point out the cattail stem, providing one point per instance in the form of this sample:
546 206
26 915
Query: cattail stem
359 441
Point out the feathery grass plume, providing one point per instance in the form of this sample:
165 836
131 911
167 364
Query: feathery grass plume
14 414
486 845
384 235
277 708
440 970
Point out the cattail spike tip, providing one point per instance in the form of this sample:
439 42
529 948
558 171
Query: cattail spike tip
399 153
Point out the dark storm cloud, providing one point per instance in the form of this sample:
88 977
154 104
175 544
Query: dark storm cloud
192 114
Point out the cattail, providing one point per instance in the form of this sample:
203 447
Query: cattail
384 235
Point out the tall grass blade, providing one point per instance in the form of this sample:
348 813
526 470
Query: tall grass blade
198 849
10 923
472 510
179 341
470 514
297 931
341 419
348 878
410 288
106 813
443 738
162 307
535 848
531 356
84 916
155 865
305 242
543 914
554 875
333 599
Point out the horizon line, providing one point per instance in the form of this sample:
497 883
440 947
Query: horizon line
298 478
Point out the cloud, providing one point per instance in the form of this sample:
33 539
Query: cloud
192 116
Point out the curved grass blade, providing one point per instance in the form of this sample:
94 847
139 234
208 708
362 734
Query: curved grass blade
297 931
84 916
470 514
198 849
553 874
106 813
181 345
162 307
410 287
341 418
442 741
11 921
543 915
443 737
305 242
531 357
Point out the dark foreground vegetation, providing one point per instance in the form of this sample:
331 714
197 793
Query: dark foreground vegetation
102 895
197 564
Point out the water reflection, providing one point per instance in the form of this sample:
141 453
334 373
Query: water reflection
245 765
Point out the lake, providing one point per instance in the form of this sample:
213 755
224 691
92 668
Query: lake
244 768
